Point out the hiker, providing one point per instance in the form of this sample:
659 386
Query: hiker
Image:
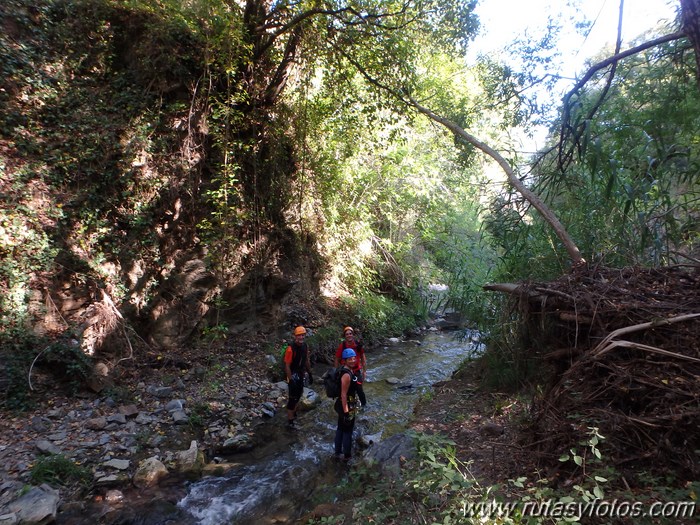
360 367
346 405
296 362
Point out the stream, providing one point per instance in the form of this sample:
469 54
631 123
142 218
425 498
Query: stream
277 481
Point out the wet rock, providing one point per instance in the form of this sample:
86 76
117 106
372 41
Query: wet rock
128 410
119 464
393 380
40 424
38 506
8 519
114 496
98 423
111 480
47 447
9 491
143 419
160 391
391 452
175 404
119 419
149 473
180 417
238 443
367 440
156 441
190 462
56 413
218 469
309 399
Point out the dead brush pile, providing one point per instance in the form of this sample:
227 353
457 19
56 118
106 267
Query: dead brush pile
628 362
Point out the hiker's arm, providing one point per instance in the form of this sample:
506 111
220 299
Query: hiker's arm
344 387
308 369
288 363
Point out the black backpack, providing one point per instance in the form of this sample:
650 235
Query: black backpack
331 381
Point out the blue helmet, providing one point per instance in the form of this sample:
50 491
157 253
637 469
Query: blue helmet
349 352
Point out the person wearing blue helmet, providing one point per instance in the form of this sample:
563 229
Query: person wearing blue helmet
346 406
360 367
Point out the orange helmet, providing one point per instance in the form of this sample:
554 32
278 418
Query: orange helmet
348 328
300 330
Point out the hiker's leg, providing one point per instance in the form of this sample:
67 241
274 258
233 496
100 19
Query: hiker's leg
295 392
361 394
347 438
339 437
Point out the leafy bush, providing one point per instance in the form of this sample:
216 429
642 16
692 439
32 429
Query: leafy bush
377 316
67 362
17 351
22 353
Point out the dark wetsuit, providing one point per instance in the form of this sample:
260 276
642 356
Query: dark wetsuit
297 365
346 423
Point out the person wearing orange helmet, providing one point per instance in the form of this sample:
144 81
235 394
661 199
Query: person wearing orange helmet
296 362
359 366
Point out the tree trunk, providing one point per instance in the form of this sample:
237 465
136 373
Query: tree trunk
690 24
573 251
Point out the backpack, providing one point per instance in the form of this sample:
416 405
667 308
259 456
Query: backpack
331 381
298 358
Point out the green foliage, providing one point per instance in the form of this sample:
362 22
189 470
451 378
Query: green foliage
17 351
59 470
625 184
377 316
439 471
25 250
67 362
325 339
199 414
212 334
591 487
22 352
464 259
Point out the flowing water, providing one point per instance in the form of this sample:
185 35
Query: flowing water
276 481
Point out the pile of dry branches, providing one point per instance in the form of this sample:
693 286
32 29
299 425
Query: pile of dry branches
628 363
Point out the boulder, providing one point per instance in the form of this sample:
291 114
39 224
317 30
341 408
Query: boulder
190 462
391 452
149 473
38 506
309 399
